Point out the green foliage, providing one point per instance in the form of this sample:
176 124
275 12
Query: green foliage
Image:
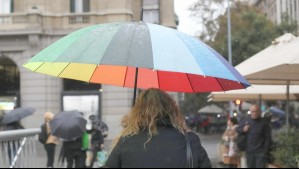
286 148
205 13
251 32
287 25
193 102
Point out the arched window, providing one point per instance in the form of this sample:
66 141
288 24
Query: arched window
10 84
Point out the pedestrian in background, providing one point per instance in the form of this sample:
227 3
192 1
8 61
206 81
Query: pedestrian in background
97 139
230 154
2 113
12 147
73 152
258 140
154 136
51 142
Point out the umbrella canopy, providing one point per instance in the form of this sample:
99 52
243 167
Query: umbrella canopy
276 111
138 55
256 92
274 65
68 125
277 64
214 109
17 114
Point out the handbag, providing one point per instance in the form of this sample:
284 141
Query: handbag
101 157
189 152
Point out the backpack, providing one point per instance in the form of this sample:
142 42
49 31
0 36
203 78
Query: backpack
241 141
43 135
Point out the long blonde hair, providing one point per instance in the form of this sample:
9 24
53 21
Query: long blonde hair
151 106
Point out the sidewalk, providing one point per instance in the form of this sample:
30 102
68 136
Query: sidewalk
210 144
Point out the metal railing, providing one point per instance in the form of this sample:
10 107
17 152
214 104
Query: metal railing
18 148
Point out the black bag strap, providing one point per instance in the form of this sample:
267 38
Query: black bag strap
189 151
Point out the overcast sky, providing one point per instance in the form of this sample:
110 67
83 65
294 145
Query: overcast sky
186 24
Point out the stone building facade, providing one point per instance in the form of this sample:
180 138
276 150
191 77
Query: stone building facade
28 26
276 9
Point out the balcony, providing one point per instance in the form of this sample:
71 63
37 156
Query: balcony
37 23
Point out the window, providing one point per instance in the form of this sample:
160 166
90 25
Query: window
75 85
9 77
79 6
6 6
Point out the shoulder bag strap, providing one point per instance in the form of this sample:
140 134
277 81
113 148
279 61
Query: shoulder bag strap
189 151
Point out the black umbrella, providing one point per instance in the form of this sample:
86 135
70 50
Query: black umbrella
17 114
68 125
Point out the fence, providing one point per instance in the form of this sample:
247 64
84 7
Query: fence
18 148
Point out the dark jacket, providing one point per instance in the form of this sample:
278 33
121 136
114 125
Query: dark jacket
96 137
165 150
73 148
259 135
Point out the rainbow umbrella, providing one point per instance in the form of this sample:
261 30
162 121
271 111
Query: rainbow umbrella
138 55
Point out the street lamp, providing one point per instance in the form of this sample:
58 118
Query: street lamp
229 48
229 34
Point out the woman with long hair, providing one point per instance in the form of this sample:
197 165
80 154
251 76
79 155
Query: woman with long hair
154 136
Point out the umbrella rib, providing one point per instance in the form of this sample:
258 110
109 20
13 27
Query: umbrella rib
127 67
63 69
190 82
220 84
39 66
158 79
93 73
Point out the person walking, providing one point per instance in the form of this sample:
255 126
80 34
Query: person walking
154 136
258 140
230 154
73 153
97 139
51 142
2 113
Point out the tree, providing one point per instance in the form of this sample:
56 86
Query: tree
251 32
193 102
205 13
287 25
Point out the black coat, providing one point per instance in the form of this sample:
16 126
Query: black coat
259 135
166 150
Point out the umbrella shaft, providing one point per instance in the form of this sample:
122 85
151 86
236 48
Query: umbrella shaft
135 86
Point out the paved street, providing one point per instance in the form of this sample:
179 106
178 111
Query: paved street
210 143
